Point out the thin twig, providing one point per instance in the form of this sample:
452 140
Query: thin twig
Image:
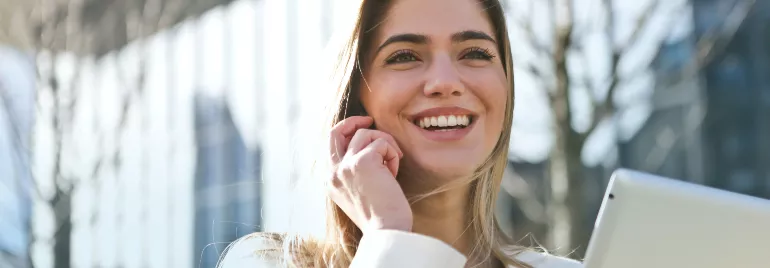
525 22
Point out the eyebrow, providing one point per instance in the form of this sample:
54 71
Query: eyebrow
405 38
422 39
471 35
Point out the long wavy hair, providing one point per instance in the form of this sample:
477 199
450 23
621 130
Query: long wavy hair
342 237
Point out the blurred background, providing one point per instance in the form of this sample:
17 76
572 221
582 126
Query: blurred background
151 133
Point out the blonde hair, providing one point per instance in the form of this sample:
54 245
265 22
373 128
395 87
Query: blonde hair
342 235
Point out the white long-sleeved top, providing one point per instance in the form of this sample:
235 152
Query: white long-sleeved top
389 248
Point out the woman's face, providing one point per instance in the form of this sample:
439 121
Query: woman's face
434 81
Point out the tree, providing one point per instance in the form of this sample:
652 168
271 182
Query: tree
563 66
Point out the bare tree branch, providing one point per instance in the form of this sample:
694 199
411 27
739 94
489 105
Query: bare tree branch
130 95
642 23
561 213
564 163
533 70
605 106
586 63
525 23
560 99
718 38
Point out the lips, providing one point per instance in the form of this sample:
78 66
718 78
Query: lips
443 117
444 123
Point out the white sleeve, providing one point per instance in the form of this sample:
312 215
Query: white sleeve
544 260
382 248
391 248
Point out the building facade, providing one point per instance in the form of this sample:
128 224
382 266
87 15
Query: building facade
670 142
17 101
709 124
738 91
227 181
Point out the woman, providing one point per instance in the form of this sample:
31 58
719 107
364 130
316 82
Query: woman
418 146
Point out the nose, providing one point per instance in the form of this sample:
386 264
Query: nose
443 79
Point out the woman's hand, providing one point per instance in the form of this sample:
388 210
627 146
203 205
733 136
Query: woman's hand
363 183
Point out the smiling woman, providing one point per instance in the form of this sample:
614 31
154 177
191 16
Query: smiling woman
418 145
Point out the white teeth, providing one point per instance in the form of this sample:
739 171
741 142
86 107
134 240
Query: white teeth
444 121
451 121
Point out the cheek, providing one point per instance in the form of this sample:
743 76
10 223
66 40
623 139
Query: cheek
493 91
496 112
386 94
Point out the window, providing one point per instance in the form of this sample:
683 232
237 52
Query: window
226 181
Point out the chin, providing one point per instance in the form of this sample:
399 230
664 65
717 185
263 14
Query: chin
448 165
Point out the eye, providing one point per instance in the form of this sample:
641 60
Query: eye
477 53
402 56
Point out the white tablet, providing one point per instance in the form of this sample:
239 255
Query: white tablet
651 221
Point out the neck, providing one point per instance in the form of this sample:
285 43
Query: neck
444 215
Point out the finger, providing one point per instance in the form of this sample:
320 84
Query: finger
348 126
342 133
338 147
386 154
364 137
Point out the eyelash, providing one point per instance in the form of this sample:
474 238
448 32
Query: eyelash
481 53
484 53
395 57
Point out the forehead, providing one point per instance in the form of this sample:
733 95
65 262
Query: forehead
434 18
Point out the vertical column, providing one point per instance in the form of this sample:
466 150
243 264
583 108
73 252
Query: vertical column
694 117
182 154
144 141
311 94
259 79
170 145
276 132
760 25
244 102
259 71
765 68
326 20
95 224
292 83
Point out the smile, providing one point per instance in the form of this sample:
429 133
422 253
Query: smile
444 122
